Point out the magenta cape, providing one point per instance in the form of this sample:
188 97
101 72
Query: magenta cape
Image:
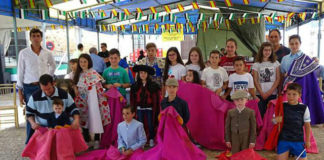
208 113
116 102
268 125
172 140
111 154
60 144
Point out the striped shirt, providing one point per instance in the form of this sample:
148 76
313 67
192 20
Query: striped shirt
40 105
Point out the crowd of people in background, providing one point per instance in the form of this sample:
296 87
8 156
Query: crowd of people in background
155 86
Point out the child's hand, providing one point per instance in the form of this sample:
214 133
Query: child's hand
228 144
252 145
307 144
35 126
223 97
117 85
278 119
219 91
256 98
75 124
108 86
128 152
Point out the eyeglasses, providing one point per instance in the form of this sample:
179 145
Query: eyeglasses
171 55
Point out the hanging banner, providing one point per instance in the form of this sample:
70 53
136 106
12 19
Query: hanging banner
172 36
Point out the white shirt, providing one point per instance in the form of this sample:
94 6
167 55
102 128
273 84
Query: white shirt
31 66
240 82
267 74
214 78
194 67
178 71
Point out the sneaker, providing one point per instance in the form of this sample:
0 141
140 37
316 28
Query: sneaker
151 143
96 145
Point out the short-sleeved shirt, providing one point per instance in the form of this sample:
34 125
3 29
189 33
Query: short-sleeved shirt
288 60
178 71
214 78
194 67
240 82
282 51
118 75
267 74
228 64
180 105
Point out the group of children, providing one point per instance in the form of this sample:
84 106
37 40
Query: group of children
226 76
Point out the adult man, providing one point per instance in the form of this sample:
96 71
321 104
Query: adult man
33 62
78 52
104 54
40 103
98 63
274 39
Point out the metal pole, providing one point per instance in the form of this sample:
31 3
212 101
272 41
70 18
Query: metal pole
284 33
44 34
133 43
118 39
67 37
98 39
15 33
319 32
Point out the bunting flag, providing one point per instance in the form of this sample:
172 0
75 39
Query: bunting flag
240 21
216 17
83 1
153 10
116 1
53 26
121 16
221 20
61 26
246 2
104 28
258 19
201 17
179 27
127 13
216 24
147 29
103 14
48 3
187 17
227 23
91 14
198 25
83 14
134 28
281 18
195 5
252 20
114 13
180 7
22 14
62 13
139 10
139 14
100 1
167 9
314 15
156 27
31 3
122 28
269 19
228 3
204 26
45 14
263 0
302 16
273 16
113 28
244 17
260 15
150 17
19 29
290 15
27 28
172 18
212 4
281 0
17 3
156 16
231 16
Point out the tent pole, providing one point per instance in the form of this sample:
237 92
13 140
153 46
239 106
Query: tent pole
284 33
15 33
67 37
98 40
319 31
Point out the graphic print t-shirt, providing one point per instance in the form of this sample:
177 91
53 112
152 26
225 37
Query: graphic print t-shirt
240 82
118 75
267 74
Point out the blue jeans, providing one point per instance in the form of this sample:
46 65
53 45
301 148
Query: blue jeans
28 90
263 104
149 117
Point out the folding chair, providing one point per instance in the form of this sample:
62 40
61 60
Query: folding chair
8 102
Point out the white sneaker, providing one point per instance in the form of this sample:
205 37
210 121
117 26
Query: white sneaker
152 143
96 145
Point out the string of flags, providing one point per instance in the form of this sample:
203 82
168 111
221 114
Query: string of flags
52 26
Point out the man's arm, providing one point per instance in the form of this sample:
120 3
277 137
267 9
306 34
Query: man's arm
52 65
20 78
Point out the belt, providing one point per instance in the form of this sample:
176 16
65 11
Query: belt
32 84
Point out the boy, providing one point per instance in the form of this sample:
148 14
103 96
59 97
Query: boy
131 134
115 75
295 116
240 127
215 77
173 100
240 80
58 117
152 61
73 64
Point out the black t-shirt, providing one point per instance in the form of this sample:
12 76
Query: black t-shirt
105 55
282 52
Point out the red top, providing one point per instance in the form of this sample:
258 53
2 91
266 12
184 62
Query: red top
228 64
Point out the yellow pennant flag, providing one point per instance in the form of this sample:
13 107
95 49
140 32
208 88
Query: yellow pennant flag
227 23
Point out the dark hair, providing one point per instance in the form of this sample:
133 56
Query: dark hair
239 58
75 60
141 52
275 30
295 36
214 52
58 101
80 46
295 87
196 78
45 79
149 45
79 69
234 41
222 49
114 51
168 62
132 109
104 44
201 61
259 56
35 30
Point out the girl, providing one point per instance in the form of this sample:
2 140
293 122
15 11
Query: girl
94 108
145 97
192 77
195 61
266 75
227 61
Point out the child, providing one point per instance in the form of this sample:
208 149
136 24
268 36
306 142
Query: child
115 75
152 61
73 64
173 100
227 61
215 77
95 111
240 124
192 76
295 116
145 96
266 75
58 117
195 61
240 80
131 134
174 65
